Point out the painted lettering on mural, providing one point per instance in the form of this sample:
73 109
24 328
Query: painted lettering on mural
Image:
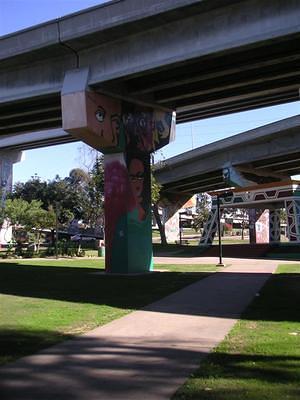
147 129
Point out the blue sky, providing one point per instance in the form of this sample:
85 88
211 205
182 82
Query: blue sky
48 162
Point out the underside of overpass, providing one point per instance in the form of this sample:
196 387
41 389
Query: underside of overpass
200 58
270 153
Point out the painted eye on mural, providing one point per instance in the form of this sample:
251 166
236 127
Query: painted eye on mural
160 126
100 114
142 123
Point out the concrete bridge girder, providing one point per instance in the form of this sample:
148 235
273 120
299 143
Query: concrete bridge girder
268 153
146 51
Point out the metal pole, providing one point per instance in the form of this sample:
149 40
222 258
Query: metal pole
180 233
56 230
219 232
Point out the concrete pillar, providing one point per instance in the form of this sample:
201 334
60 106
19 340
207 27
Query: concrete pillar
7 160
252 221
171 204
274 226
128 229
126 133
259 226
170 218
293 220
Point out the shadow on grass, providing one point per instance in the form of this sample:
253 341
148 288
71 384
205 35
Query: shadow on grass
16 343
86 285
177 250
224 295
104 368
225 376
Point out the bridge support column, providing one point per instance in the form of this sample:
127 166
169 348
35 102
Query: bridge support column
252 221
210 228
128 232
7 160
293 219
259 226
170 217
274 226
171 223
126 133
171 204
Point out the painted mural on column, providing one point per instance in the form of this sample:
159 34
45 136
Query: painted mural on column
126 133
258 226
262 228
128 193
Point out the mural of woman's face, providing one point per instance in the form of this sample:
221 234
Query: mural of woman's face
136 174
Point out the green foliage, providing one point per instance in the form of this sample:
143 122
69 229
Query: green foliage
21 212
28 215
96 191
155 189
80 195
203 208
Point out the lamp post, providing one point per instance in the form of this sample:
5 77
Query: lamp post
180 230
220 264
56 229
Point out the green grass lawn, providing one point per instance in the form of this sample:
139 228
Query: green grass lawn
45 301
260 358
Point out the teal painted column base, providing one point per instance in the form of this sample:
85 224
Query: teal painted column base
132 245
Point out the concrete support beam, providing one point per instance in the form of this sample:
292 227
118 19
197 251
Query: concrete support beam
207 42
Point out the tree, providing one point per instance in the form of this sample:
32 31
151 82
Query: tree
202 209
40 220
29 215
18 211
96 191
155 196
33 189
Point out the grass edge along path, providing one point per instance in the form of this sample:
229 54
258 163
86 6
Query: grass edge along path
260 358
43 302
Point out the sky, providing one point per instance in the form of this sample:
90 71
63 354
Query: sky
59 160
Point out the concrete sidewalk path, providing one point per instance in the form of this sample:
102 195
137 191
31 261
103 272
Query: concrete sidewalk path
145 355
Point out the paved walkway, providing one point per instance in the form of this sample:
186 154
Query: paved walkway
147 354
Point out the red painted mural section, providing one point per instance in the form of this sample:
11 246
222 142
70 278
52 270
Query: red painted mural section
119 200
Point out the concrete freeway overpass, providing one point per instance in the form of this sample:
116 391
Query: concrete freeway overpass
256 165
113 75
201 58
270 153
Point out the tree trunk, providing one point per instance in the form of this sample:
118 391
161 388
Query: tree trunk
161 227
38 241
